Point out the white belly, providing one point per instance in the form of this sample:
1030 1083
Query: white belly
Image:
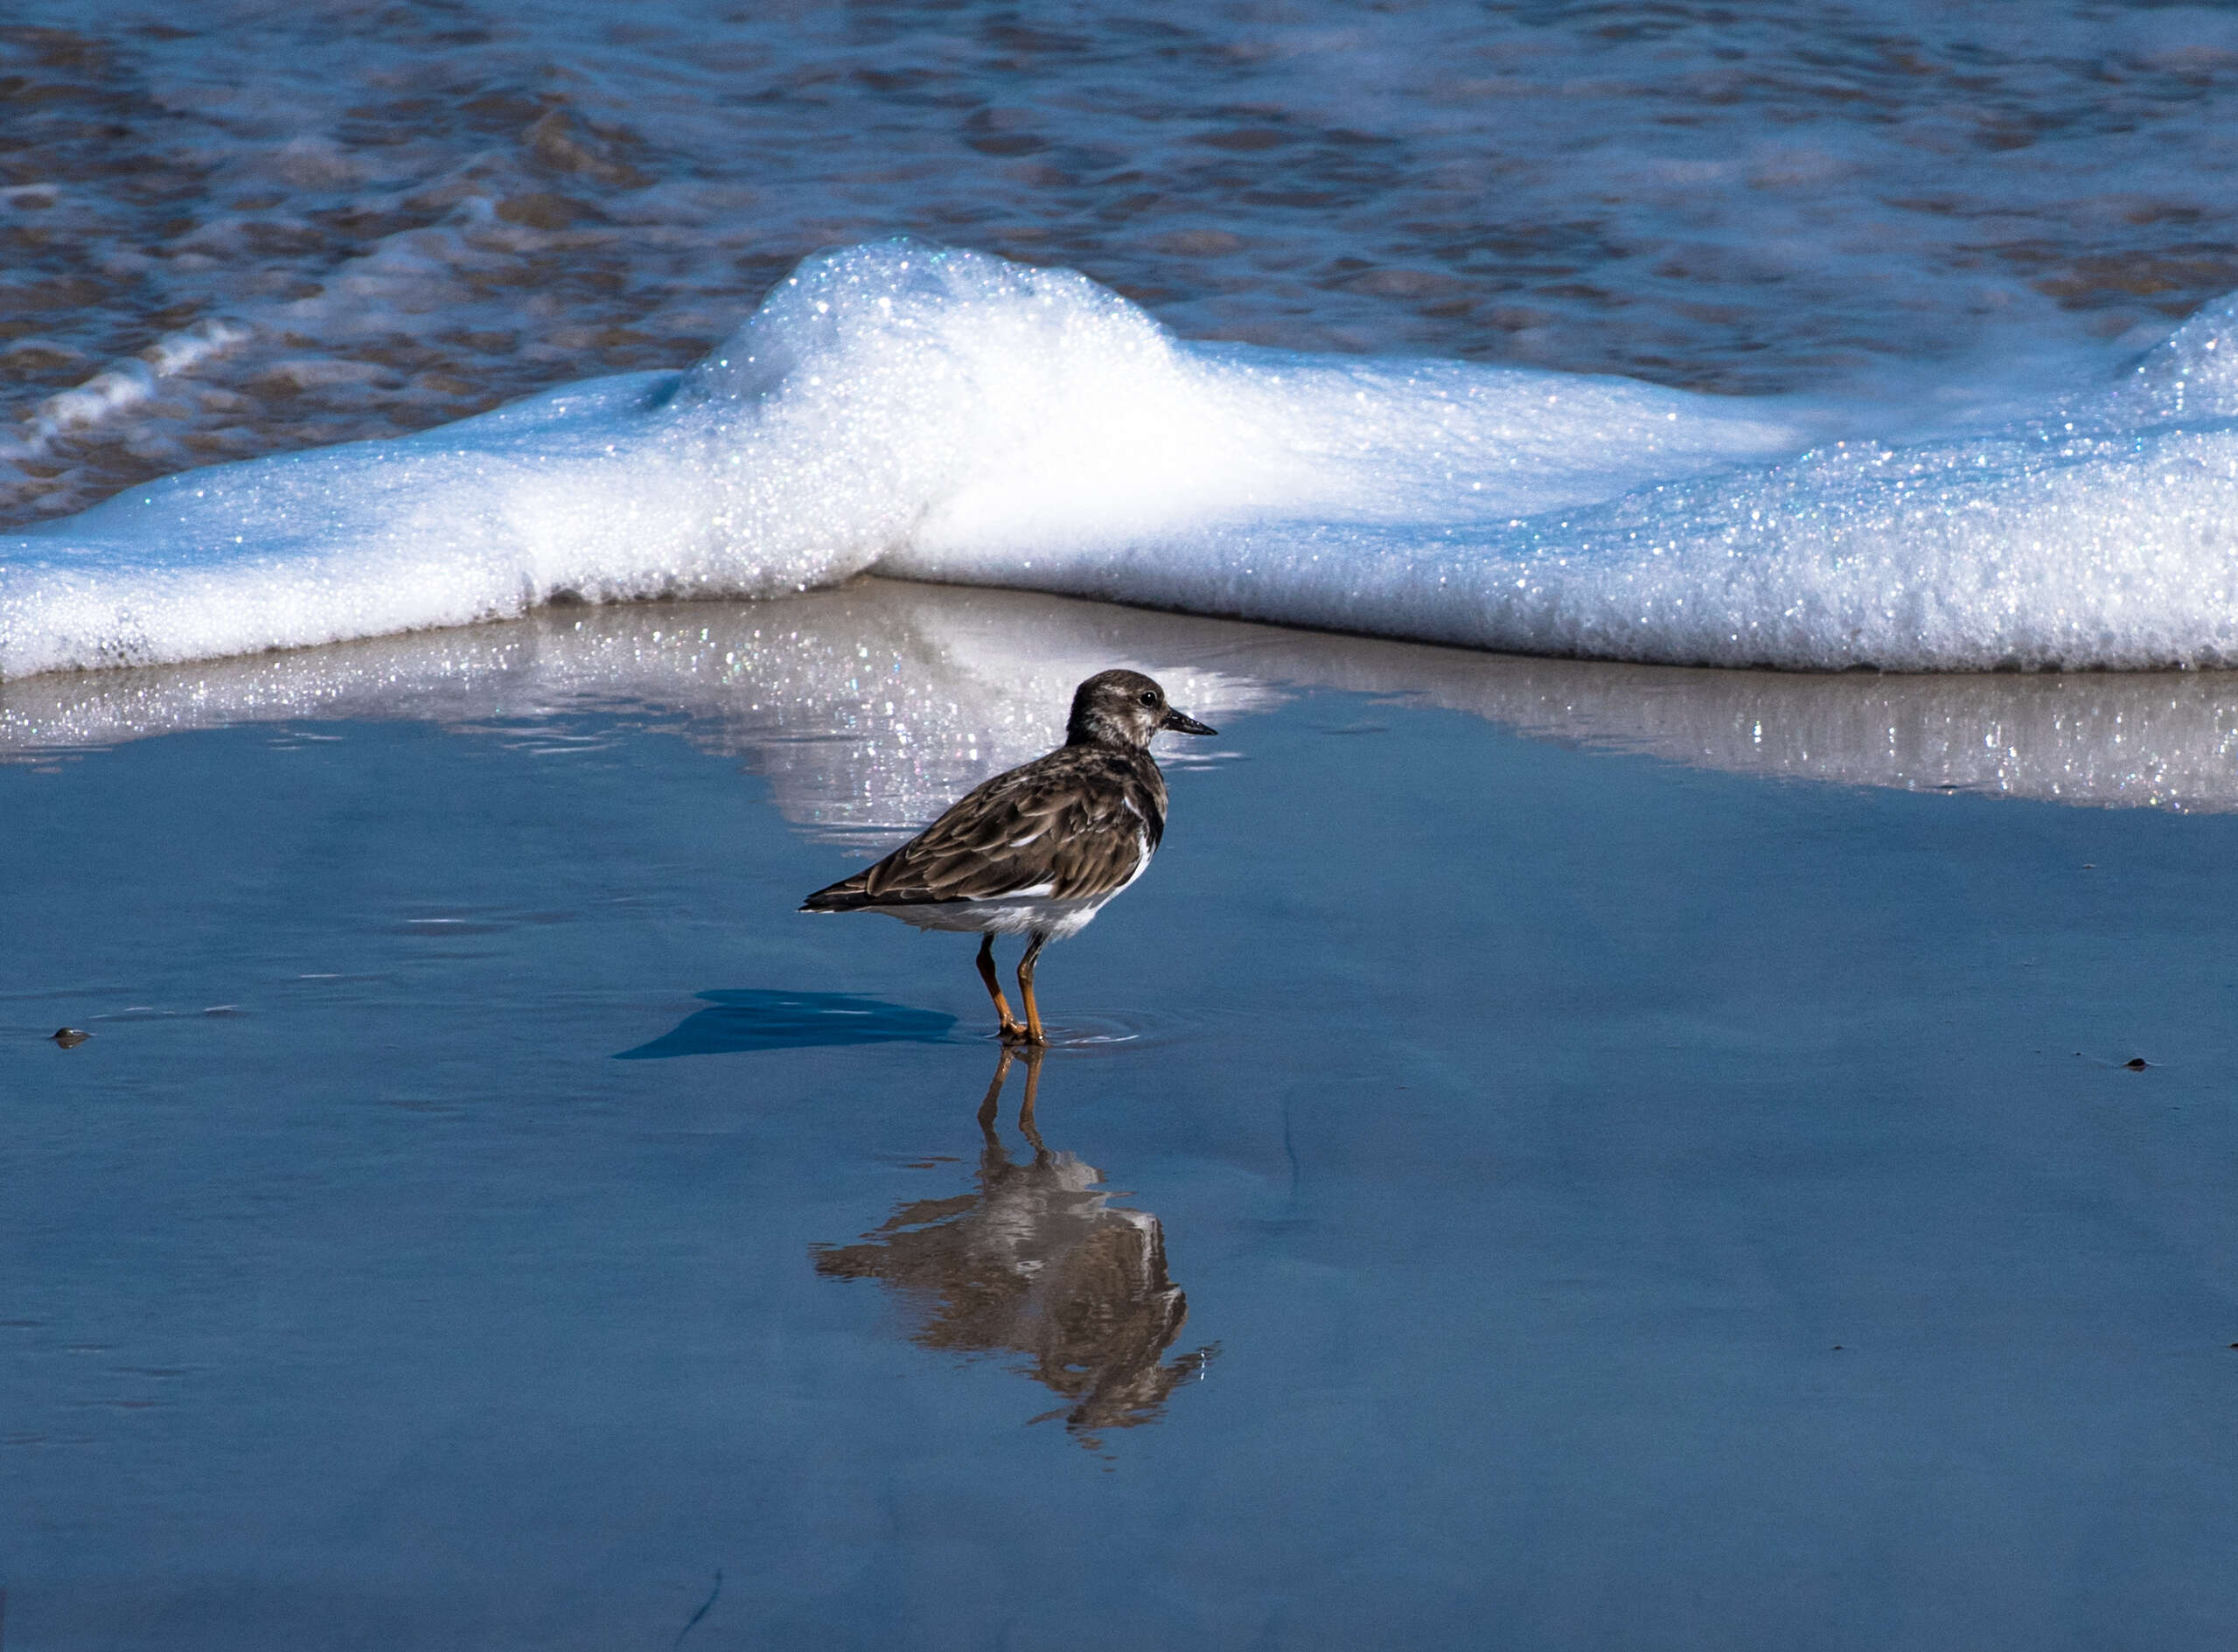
1016 915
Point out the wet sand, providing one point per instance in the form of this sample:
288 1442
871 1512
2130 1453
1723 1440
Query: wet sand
1515 1176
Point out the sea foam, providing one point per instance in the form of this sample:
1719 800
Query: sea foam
947 416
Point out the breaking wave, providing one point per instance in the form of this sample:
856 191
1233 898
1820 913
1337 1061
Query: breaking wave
941 415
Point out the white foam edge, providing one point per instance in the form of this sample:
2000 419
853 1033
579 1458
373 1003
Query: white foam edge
947 416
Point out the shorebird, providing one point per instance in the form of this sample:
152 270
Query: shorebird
1036 851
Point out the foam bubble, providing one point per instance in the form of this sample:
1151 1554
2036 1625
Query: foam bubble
949 416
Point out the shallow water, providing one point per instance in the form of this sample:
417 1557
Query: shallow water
1537 1192
869 708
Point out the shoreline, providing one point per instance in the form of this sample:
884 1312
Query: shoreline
962 668
1510 1176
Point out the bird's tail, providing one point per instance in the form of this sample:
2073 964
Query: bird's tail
847 895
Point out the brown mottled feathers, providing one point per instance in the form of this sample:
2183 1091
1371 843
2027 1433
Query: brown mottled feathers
1075 825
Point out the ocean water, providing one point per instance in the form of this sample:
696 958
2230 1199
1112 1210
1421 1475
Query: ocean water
1820 336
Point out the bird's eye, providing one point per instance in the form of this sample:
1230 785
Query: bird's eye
1147 698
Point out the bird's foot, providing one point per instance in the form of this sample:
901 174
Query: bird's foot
1013 1033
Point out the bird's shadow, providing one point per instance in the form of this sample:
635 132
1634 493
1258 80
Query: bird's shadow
751 1019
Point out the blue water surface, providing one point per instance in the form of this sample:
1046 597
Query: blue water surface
1541 1199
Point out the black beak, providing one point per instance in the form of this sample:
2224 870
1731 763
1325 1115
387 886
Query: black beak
1181 723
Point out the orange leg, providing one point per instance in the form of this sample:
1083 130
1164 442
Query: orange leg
1034 1035
1011 1030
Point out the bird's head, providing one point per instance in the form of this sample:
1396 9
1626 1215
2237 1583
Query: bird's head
1124 708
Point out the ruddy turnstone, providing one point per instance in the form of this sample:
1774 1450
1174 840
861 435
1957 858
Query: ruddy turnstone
1038 850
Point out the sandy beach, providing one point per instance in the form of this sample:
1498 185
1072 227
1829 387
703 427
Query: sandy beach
1669 1090
1490 1185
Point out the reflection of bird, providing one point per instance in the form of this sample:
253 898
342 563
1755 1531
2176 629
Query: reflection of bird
1036 851
1037 1262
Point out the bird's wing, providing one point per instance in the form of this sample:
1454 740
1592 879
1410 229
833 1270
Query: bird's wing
1064 828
